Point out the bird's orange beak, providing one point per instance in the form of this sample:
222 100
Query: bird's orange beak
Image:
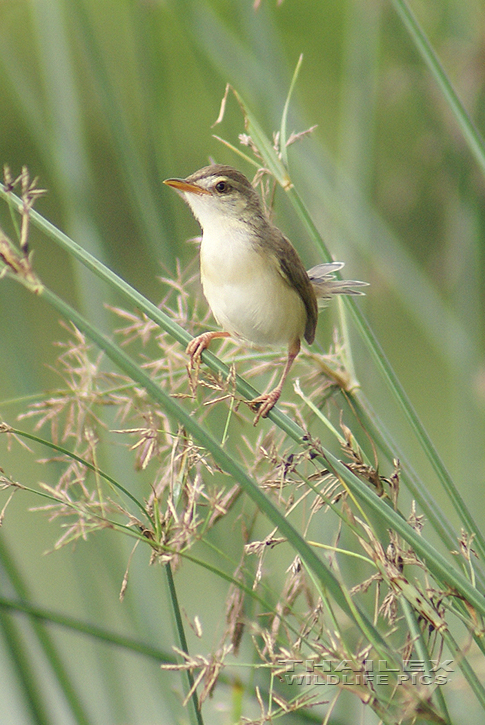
183 185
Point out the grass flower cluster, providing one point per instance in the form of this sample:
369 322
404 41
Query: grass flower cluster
363 603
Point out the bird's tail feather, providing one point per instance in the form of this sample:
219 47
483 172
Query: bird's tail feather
325 285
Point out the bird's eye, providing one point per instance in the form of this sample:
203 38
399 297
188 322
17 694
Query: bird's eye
222 187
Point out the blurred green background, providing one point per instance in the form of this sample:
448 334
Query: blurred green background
102 100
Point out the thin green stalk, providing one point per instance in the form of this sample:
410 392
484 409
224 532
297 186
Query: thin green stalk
436 563
442 570
82 461
397 389
215 364
384 441
141 192
468 671
109 637
92 630
45 640
318 413
284 115
470 132
430 507
34 695
23 605
418 428
227 462
179 625
423 655
277 168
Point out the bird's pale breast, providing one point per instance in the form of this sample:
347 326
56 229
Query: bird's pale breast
247 294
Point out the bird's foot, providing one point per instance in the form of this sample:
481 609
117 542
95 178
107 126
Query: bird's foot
194 349
197 345
264 403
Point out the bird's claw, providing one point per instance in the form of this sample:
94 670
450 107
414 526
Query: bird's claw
263 404
194 349
198 344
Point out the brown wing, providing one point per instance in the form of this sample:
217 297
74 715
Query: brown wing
292 269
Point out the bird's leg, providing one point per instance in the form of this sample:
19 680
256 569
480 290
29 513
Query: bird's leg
195 348
264 403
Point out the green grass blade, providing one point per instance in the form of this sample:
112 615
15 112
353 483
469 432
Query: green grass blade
196 715
45 640
141 191
284 115
437 564
70 454
272 161
100 634
397 389
27 676
222 458
470 132
289 426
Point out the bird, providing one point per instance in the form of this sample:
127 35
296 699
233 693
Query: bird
252 276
